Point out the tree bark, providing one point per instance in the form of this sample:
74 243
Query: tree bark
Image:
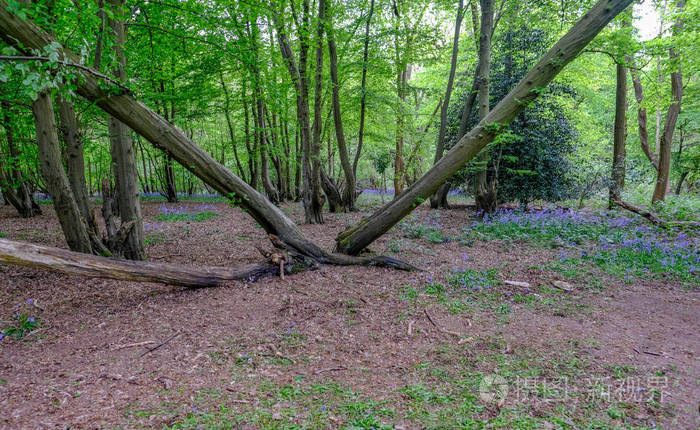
227 112
485 187
363 91
124 155
664 171
439 200
349 188
358 237
15 189
261 136
75 161
642 120
69 216
311 162
252 156
617 182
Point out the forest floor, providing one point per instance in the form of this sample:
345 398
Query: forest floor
454 346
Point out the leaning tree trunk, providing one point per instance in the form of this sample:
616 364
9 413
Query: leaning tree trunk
439 200
74 227
356 238
349 189
664 171
617 182
485 187
25 36
124 156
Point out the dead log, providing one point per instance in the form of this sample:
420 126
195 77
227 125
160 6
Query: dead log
653 218
92 266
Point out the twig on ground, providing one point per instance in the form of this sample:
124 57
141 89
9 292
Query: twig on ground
330 369
159 345
131 345
517 283
442 330
277 353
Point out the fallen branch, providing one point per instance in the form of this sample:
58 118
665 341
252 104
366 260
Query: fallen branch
132 345
440 329
330 369
653 218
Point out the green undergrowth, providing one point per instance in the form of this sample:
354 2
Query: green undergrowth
618 245
490 384
196 217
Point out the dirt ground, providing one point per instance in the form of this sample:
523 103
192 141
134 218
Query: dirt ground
377 332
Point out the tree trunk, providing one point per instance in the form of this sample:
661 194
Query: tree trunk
439 200
75 162
617 182
252 156
64 203
227 112
297 166
485 187
25 35
642 120
363 91
335 201
349 189
311 162
124 156
15 189
662 179
358 237
261 137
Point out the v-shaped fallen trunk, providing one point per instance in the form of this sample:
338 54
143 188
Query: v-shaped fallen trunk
25 36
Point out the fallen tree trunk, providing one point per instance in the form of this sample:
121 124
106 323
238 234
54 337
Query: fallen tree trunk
653 218
76 263
358 237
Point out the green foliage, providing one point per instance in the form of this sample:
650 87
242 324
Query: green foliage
22 323
472 280
553 229
197 217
